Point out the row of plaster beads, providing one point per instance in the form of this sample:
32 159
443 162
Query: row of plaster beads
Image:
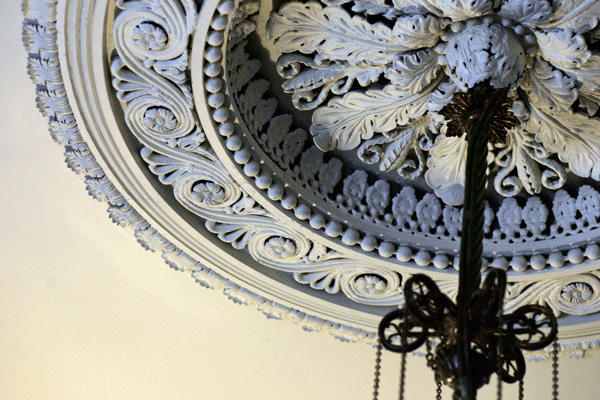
276 192
422 258
216 100
368 243
251 168
555 259
214 84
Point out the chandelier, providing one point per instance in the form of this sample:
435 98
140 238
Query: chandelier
469 341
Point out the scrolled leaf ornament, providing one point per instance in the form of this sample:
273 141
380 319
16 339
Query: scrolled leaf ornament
326 221
410 64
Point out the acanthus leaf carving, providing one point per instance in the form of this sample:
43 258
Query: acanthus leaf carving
572 136
563 48
589 101
588 74
579 15
344 122
525 154
242 67
372 7
457 10
333 33
254 106
405 140
445 172
414 71
553 91
417 31
529 12
311 86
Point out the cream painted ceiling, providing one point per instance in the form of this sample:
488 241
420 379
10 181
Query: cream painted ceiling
86 313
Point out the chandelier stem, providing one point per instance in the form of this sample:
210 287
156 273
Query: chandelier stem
471 246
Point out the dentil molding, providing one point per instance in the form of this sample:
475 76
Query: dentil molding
297 157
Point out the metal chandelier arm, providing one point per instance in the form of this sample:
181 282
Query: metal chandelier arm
471 245
475 340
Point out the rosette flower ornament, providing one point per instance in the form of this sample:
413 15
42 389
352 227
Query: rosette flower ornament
378 75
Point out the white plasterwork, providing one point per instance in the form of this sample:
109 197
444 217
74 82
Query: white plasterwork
403 60
244 176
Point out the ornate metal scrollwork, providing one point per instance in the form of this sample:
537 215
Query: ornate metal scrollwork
497 340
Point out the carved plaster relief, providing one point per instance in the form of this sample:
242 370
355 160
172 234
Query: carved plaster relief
418 54
367 193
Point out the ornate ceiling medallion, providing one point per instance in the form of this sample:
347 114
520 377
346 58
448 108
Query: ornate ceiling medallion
412 57
302 151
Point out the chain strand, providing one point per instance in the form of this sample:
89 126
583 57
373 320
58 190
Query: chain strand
402 375
521 389
555 370
499 388
499 351
429 356
377 369
438 391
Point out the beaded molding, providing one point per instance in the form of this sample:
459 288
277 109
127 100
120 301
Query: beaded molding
576 295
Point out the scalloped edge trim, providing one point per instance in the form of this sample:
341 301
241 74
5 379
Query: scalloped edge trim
39 33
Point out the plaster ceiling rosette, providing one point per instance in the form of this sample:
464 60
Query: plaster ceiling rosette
300 156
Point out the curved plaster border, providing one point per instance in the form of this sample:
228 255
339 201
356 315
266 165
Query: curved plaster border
41 41
252 227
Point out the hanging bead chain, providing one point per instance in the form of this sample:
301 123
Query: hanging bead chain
555 370
521 389
499 388
377 369
498 351
402 375
403 340
429 357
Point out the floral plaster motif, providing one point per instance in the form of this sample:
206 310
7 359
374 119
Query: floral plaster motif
370 284
149 36
153 84
379 87
279 247
160 119
577 293
209 193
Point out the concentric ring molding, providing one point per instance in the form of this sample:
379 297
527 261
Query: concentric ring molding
40 38
137 199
